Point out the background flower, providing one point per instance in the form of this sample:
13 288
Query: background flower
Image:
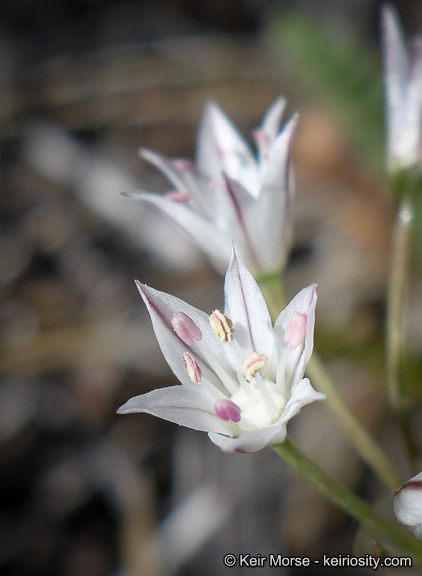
403 85
229 195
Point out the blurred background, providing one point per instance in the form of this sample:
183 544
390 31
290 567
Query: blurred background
83 85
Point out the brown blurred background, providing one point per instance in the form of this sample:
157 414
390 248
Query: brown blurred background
83 85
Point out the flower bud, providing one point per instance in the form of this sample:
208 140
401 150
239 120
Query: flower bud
408 505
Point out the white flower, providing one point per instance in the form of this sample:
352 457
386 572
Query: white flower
403 84
241 379
408 505
229 195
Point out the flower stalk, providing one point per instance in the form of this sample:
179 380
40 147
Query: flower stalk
395 322
388 534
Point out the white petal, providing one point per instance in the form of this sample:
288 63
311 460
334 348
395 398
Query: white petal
413 104
396 58
250 441
270 222
212 241
246 307
162 307
270 125
232 204
189 406
183 179
275 173
402 130
302 393
221 148
304 303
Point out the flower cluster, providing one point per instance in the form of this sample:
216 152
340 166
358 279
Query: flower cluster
241 379
228 195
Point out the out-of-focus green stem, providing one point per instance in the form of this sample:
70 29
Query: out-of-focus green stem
360 438
396 309
271 286
389 535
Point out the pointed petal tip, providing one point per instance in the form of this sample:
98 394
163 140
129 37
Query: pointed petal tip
388 11
234 258
123 409
139 195
143 291
280 101
212 106
391 26
293 121
145 152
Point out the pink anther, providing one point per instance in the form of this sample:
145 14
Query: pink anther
296 330
180 197
186 328
227 410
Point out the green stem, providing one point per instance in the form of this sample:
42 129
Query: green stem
271 286
390 535
396 306
360 438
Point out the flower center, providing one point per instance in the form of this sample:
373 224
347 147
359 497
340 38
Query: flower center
254 407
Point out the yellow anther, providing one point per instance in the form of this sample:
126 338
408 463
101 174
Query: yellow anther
222 326
253 364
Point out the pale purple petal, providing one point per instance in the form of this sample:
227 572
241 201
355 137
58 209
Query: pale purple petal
214 242
250 441
246 307
191 406
302 393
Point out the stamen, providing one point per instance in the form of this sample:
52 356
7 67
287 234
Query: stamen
266 396
176 196
222 326
186 328
216 367
261 142
192 368
185 165
227 410
194 373
280 378
246 387
253 363
296 330
288 368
